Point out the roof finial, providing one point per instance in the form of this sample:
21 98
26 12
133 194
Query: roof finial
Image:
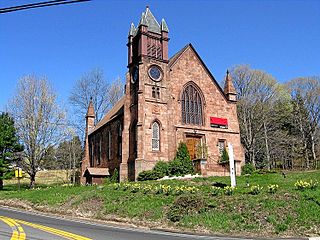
227 71
147 7
91 98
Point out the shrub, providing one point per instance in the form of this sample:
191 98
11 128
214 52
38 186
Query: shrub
224 157
182 163
255 189
161 169
272 188
247 168
147 175
115 176
184 205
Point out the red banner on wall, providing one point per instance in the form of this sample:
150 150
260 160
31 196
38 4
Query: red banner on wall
219 122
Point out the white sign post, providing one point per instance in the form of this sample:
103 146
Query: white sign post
231 163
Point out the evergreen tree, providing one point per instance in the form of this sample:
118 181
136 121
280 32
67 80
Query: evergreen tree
9 145
182 163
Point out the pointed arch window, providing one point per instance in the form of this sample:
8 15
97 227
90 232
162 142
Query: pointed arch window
192 106
155 136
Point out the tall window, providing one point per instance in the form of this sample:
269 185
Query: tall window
221 146
91 146
191 106
134 139
156 92
109 144
155 136
119 140
99 150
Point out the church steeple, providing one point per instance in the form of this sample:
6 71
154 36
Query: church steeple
229 89
90 111
149 39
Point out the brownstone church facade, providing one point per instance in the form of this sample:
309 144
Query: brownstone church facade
166 101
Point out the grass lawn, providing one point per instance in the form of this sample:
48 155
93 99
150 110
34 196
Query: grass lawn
287 212
44 177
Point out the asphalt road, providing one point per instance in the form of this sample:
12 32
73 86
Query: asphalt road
22 225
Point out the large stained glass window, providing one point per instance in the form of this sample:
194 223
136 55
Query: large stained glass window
191 106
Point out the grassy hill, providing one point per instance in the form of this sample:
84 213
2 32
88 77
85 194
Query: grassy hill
257 207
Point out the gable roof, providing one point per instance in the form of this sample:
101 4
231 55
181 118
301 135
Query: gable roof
113 113
174 59
93 171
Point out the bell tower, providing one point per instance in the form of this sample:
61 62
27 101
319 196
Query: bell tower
146 93
148 39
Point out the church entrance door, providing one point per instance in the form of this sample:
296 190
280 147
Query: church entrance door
192 143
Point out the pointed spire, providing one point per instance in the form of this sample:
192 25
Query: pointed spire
90 112
132 30
164 26
229 88
143 20
147 19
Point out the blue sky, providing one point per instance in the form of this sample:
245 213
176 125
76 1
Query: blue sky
63 42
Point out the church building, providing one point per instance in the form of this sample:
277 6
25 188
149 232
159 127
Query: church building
166 101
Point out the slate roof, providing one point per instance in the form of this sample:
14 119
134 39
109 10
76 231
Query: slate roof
113 113
147 19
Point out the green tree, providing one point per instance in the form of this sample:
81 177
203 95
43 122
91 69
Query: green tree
182 163
9 145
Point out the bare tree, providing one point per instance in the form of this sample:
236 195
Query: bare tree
258 96
39 121
104 95
257 93
305 93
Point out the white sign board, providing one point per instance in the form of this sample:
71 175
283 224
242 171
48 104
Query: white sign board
232 167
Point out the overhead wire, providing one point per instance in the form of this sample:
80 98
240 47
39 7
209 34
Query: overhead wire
39 4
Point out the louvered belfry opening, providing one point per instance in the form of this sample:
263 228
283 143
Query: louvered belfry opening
154 48
191 106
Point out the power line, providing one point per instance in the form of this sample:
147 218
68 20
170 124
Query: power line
39 4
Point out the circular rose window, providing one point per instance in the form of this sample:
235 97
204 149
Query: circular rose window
155 73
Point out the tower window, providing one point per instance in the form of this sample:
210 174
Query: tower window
156 92
191 106
153 92
155 136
